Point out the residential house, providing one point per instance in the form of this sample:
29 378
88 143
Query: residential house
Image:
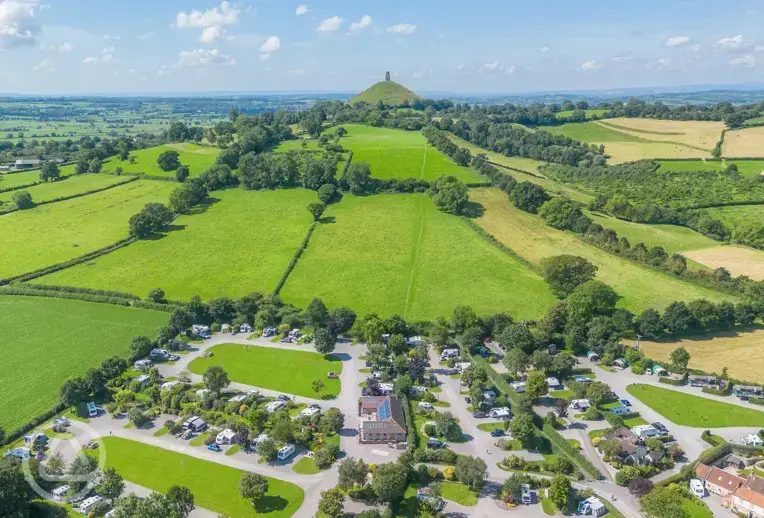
704 381
593 506
718 481
286 451
732 461
382 420
637 456
748 391
748 502
227 436
752 440
654 457
500 413
273 406
580 404
644 431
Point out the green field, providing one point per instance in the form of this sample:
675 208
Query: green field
12 180
589 113
47 340
68 187
398 254
400 154
58 232
736 215
639 287
459 493
158 469
672 238
242 243
291 372
197 158
592 132
389 92
746 167
688 410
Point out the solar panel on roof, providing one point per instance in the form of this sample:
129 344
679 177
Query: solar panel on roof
384 412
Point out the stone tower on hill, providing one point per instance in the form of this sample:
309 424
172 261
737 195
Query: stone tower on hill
387 76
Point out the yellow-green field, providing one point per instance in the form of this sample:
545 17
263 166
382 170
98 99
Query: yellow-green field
68 186
748 142
197 158
697 134
738 260
639 287
735 215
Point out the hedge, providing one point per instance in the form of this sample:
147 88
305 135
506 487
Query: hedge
707 457
347 164
502 166
672 381
144 176
756 401
75 289
19 187
32 424
412 437
296 258
719 392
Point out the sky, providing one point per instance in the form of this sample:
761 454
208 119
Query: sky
480 46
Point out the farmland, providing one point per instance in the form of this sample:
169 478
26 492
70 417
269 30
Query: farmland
696 134
737 259
688 410
397 254
744 143
46 341
240 243
291 372
594 112
745 167
400 154
66 187
736 215
68 229
197 158
158 469
9 181
638 286
743 353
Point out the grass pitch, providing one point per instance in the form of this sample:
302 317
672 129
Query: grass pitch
698 412
398 254
158 469
47 340
291 372
748 142
67 187
58 232
197 158
242 243
639 287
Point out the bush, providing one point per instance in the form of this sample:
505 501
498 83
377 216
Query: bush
449 473
592 414
672 381
23 200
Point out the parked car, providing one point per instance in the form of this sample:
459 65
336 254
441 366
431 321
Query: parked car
91 445
625 402
479 414
467 399
188 434
213 447
497 433
208 354
284 397
434 443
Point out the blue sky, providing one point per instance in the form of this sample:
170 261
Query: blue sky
138 46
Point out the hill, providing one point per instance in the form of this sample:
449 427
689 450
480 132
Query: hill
389 92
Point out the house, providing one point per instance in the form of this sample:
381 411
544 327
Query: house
28 163
752 440
382 420
59 494
518 386
593 506
310 411
657 370
526 496
286 451
704 381
245 328
257 440
733 461
423 405
273 406
462 366
20 453
655 457
697 488
143 365
227 436
580 404
195 424
619 410
90 504
748 502
637 456
593 356
500 413
386 389
553 384
717 481
748 391
644 431
449 353
621 363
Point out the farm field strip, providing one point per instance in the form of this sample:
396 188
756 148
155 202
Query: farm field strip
12 180
747 142
66 187
742 353
736 215
241 243
752 168
48 340
368 257
197 158
639 287
68 229
738 260
695 134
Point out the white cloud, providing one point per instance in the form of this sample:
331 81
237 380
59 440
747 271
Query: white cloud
590 65
91 59
17 22
622 58
145 36
271 45
203 58
107 37
46 65
108 50
402 29
301 10
361 24
210 21
694 48
211 34
747 61
332 24
545 49
677 41
759 48
496 66
733 43
107 55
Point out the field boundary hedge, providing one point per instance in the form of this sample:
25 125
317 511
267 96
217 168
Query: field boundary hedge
76 289
143 176
19 187
672 381
412 437
296 258
71 196
347 164
523 171
87 297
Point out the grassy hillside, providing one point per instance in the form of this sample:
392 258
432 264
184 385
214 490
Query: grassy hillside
389 92
46 341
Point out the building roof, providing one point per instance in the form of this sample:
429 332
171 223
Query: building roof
751 496
718 477
755 483
388 416
620 433
702 378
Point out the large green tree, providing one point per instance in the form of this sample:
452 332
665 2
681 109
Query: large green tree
565 272
253 487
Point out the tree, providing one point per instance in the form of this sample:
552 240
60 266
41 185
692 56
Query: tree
15 495
73 392
82 166
626 474
528 197
22 200
518 336
49 171
152 218
181 501
324 340
664 502
561 407
562 213
565 272
677 318
332 503
85 471
332 421
155 295
648 324
679 359
397 344
357 178
639 487
610 448
326 193
341 320
317 385
560 490
597 393
389 482
516 360
140 346
253 487
316 210
215 379
447 427
316 315
112 484
268 449
471 471
168 160
541 360
182 173
590 299
522 429
449 194
536 385
95 165
352 472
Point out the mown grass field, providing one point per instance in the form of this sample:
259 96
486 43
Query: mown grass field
291 372
741 352
589 113
745 167
698 412
398 254
158 469
58 232
738 260
65 187
748 142
11 180
197 158
638 286
698 134
241 243
593 132
46 341
400 154
459 493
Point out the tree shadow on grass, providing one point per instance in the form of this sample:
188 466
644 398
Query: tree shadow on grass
204 206
269 504
327 220
473 210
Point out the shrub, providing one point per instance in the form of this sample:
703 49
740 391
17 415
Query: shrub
23 200
449 473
